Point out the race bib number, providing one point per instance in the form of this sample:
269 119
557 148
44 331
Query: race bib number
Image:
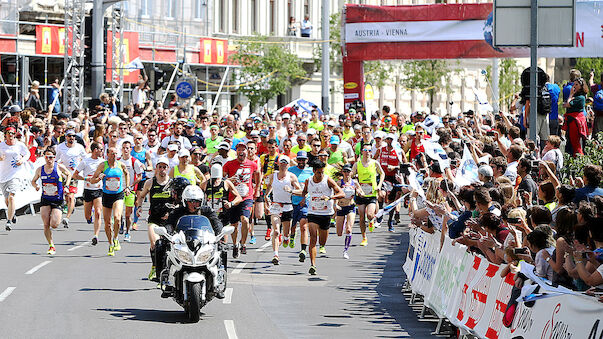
318 204
348 191
50 189
367 188
112 184
276 209
216 204
243 190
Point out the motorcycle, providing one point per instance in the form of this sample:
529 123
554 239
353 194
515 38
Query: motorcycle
194 273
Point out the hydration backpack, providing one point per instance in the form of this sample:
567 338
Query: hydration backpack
544 101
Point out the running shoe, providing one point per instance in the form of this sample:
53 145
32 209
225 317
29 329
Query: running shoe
134 226
275 260
8 226
252 240
371 225
322 250
390 228
267 236
235 251
380 219
51 250
286 243
345 255
364 242
292 241
152 274
65 209
302 255
94 240
66 223
121 228
89 221
312 270
14 220
116 245
243 249
111 251
397 218
127 237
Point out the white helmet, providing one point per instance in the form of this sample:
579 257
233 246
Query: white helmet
192 193
216 171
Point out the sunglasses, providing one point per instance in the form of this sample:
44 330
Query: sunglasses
199 154
162 166
138 138
152 135
145 124
49 156
315 145
10 133
114 136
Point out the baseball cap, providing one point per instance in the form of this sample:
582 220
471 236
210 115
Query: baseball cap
390 136
284 159
379 134
241 144
70 132
264 133
485 170
15 109
311 131
286 116
357 126
223 145
184 153
254 133
352 111
248 125
136 120
190 124
302 155
172 147
334 140
347 168
323 152
257 119
163 160
331 124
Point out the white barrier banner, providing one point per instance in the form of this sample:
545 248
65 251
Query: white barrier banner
564 316
470 292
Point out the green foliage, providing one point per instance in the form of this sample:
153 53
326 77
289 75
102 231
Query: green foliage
377 72
274 64
593 154
508 80
586 64
427 76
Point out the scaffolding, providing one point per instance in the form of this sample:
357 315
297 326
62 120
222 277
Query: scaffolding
73 61
117 66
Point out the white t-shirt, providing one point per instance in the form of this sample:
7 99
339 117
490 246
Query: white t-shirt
511 171
70 157
133 167
139 96
181 139
12 154
120 142
86 168
555 156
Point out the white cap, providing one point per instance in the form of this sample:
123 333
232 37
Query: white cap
390 136
331 123
163 160
379 134
311 131
305 120
223 145
216 171
172 147
184 153
286 116
254 133
136 120
284 158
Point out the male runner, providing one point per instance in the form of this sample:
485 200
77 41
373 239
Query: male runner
69 154
135 169
300 209
268 166
390 158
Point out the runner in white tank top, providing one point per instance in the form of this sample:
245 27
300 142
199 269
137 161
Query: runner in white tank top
319 192
283 184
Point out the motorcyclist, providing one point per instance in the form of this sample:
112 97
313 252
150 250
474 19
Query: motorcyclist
192 199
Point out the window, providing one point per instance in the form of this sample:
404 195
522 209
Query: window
272 10
235 16
222 16
199 9
289 9
254 18
306 7
145 7
171 8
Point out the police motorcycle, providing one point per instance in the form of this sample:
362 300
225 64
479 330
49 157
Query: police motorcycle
194 272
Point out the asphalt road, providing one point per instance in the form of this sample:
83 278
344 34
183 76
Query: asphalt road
81 292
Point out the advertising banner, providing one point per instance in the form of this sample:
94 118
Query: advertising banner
213 51
130 54
50 40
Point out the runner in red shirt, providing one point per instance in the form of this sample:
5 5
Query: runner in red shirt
245 175
390 158
163 126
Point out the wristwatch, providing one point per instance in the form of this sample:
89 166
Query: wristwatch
547 259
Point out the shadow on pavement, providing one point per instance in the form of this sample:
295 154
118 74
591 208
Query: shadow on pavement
151 315
116 289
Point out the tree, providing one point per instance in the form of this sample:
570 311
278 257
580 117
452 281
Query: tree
585 65
268 69
427 76
508 80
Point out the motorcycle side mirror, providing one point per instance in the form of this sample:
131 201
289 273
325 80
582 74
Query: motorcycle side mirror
226 231
162 231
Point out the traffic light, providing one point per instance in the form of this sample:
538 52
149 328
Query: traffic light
158 80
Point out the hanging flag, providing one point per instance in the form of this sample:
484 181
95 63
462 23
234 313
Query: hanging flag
414 183
432 123
466 173
435 151
135 64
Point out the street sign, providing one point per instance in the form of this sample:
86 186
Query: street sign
556 23
185 88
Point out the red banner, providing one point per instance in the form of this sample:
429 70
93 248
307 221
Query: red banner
50 40
213 51
131 55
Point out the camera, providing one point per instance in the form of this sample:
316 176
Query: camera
513 220
521 250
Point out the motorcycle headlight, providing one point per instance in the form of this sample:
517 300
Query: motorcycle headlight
205 254
183 256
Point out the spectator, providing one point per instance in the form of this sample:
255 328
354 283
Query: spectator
292 28
592 178
575 122
33 98
306 27
597 93
54 93
527 187
538 244
515 153
139 95
554 92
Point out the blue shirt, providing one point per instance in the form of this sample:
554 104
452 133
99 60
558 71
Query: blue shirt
554 91
53 93
587 193
456 228
302 175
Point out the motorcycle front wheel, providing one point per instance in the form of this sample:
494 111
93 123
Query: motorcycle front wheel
194 302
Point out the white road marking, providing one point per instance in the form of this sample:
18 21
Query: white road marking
239 268
263 247
35 269
8 292
227 296
230 329
79 246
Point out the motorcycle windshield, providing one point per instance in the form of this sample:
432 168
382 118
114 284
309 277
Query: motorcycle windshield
194 224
